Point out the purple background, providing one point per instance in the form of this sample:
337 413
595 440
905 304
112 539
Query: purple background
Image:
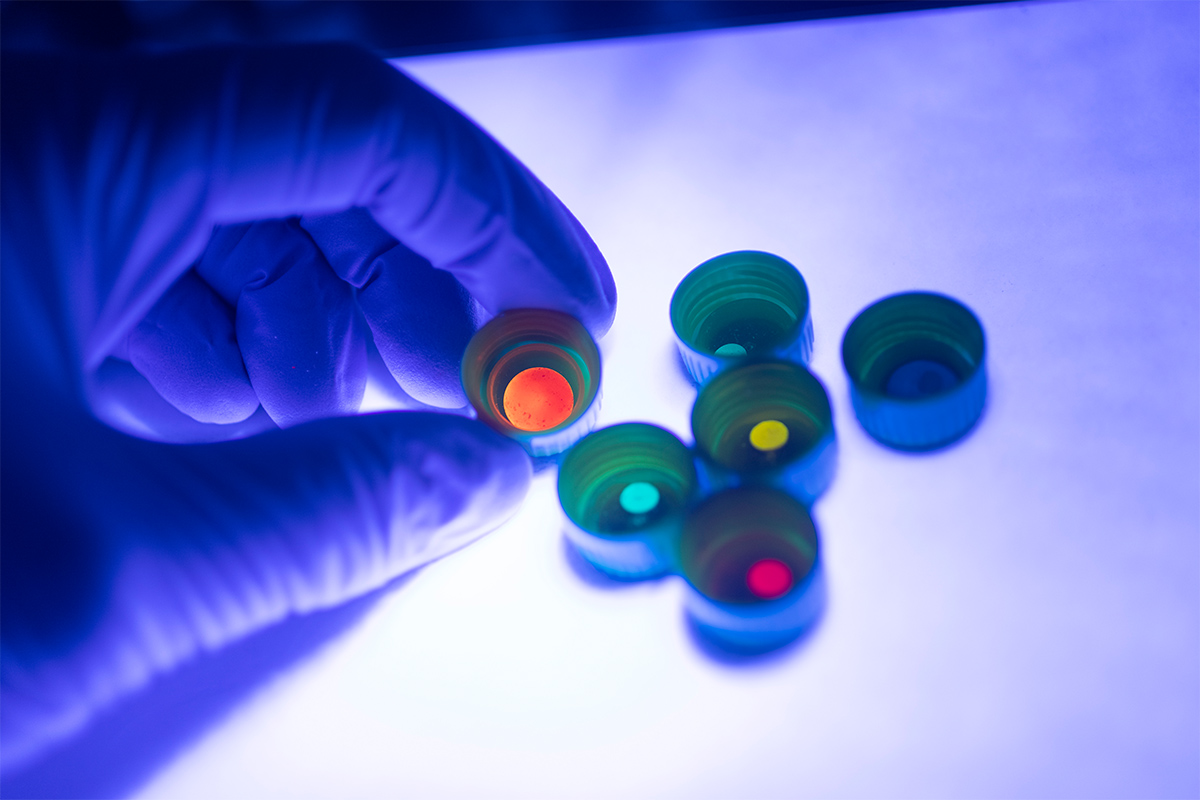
1017 615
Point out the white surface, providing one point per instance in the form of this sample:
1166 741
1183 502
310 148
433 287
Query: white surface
1015 616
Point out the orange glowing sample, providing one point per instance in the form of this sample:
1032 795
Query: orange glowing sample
538 399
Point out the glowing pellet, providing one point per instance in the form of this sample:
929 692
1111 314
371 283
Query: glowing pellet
768 435
639 497
731 350
538 399
769 578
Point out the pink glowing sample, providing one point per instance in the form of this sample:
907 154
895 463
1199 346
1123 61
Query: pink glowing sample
769 578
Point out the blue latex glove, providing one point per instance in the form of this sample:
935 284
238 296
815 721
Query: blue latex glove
201 246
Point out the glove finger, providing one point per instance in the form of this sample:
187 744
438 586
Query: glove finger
324 128
156 149
204 544
485 218
122 397
301 336
186 349
421 318
337 507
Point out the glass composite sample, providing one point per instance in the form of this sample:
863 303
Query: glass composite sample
750 556
640 497
769 435
769 578
519 362
537 399
916 364
738 305
625 489
765 422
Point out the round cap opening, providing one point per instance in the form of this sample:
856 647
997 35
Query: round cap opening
760 416
740 304
913 346
626 477
531 370
748 545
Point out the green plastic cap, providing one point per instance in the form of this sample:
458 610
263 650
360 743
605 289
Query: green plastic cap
624 490
625 478
517 341
730 534
916 367
766 422
743 304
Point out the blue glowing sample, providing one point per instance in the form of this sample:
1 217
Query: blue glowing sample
920 378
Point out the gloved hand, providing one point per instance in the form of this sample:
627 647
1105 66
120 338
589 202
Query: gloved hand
201 246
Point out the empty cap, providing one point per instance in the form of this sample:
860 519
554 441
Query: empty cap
916 367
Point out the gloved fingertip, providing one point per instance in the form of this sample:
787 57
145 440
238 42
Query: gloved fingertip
185 347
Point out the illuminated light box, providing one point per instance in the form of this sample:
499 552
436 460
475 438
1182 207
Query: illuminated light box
916 367
534 375
738 305
751 559
768 423
625 489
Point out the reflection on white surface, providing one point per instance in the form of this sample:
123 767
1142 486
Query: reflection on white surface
1016 615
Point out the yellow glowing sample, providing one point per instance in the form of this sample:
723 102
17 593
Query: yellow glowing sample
768 435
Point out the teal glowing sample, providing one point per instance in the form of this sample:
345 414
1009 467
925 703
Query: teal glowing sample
640 497
625 489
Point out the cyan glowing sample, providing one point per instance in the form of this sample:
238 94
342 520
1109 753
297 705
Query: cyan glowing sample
765 422
750 556
640 497
737 305
916 363
534 375
624 490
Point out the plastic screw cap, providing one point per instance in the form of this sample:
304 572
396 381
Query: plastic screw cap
766 423
625 489
738 305
750 557
534 374
916 367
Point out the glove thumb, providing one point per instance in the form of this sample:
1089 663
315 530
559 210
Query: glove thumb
147 553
